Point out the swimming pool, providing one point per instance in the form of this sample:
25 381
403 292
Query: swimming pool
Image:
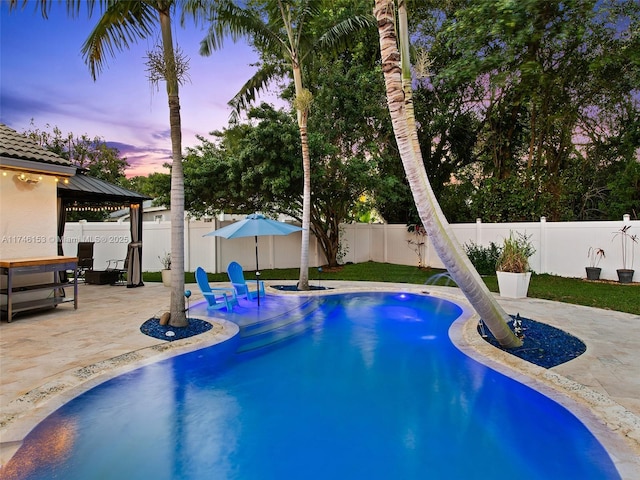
370 388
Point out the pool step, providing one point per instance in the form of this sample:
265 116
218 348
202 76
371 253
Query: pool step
280 328
279 320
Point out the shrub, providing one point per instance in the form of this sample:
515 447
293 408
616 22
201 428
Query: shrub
483 258
515 254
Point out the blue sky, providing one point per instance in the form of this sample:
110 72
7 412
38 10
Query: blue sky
43 77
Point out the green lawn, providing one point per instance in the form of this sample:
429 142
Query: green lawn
607 295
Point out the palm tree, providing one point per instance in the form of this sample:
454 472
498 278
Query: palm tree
123 22
282 27
397 74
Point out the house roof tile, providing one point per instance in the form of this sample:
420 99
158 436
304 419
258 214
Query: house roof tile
14 145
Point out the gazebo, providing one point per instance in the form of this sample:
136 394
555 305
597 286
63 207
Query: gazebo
83 192
32 178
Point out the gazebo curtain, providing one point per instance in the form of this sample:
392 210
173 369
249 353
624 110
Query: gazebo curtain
62 219
134 250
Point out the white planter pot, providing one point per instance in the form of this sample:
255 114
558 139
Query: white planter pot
166 278
513 285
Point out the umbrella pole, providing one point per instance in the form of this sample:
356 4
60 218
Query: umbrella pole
257 273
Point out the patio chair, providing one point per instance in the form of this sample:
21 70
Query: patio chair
85 258
215 297
118 272
236 277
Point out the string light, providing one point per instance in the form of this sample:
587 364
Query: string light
95 208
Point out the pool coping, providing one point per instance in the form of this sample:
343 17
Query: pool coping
616 427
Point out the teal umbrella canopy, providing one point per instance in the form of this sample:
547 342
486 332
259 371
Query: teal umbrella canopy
255 225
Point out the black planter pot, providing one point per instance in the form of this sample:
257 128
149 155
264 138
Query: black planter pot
625 275
593 273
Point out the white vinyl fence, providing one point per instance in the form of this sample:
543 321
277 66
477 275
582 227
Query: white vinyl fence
561 248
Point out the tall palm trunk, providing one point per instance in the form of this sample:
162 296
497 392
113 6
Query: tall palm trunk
397 77
177 310
302 103
303 114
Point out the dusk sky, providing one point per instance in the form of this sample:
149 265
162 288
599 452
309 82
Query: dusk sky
44 77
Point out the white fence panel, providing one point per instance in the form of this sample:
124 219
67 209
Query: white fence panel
561 248
200 251
110 241
379 243
362 243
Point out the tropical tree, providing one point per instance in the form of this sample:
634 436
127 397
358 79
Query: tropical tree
257 167
155 185
539 95
397 74
91 154
280 29
553 90
121 24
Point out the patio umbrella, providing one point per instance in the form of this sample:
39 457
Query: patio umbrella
255 225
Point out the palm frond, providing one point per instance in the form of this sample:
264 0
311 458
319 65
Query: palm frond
338 35
308 10
252 88
73 6
197 10
122 24
230 20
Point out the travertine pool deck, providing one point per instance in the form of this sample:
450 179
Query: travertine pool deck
48 358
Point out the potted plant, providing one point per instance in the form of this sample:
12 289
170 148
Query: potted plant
627 242
512 267
594 255
165 260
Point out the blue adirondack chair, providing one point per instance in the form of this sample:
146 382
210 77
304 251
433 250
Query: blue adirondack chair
236 277
215 297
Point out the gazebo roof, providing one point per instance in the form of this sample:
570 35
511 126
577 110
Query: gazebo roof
82 188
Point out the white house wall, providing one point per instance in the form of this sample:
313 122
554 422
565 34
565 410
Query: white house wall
28 216
561 248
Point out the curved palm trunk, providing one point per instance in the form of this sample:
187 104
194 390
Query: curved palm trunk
397 77
177 310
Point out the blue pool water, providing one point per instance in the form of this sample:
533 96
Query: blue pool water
370 388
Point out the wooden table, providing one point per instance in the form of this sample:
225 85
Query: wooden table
22 266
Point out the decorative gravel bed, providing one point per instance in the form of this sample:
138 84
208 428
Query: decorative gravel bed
294 288
543 345
153 328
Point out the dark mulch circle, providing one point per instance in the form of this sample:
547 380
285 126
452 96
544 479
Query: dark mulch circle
153 328
543 345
